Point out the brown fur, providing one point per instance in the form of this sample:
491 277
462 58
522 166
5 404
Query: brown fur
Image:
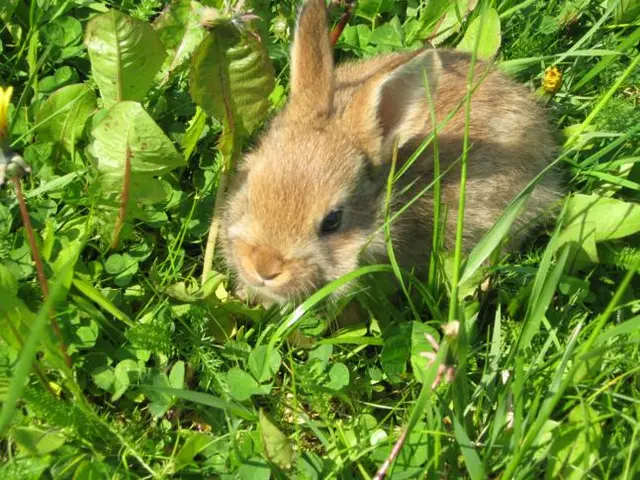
332 145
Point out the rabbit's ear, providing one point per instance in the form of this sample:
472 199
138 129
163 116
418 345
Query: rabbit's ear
312 82
394 104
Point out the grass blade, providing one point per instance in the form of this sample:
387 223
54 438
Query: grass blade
469 453
204 399
539 307
550 403
494 236
628 42
301 311
23 366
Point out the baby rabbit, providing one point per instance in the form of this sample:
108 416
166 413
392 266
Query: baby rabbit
307 204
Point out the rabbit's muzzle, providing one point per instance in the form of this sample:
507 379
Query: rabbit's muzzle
268 274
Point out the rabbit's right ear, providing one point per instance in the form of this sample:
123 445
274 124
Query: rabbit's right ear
312 81
393 104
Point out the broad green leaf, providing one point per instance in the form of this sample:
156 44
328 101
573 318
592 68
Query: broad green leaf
450 21
592 219
277 446
232 71
242 385
104 377
419 345
196 130
63 116
433 11
86 335
255 468
123 267
161 401
390 34
489 41
604 218
125 56
321 354
263 366
38 441
180 31
63 31
115 264
370 9
338 376
91 470
8 283
176 376
357 36
129 132
544 439
126 372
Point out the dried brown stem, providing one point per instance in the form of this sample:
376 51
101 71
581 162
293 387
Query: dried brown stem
35 253
342 23
124 200
395 451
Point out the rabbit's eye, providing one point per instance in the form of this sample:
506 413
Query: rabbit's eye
331 222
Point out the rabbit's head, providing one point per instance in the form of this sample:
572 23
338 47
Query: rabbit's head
307 200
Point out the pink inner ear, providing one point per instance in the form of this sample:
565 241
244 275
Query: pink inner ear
391 106
401 94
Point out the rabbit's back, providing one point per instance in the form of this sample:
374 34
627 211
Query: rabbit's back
510 143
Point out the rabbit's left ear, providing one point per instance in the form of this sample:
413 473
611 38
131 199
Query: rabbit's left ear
312 82
394 103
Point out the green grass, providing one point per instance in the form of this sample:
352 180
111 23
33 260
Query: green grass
168 378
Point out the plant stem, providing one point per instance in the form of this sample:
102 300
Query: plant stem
459 387
214 228
457 256
437 195
395 451
124 200
35 253
228 150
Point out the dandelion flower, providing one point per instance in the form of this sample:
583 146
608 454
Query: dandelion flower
552 80
10 162
5 100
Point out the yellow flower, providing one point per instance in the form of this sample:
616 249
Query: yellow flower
552 80
5 100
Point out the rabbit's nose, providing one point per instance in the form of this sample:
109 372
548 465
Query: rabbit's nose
267 263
